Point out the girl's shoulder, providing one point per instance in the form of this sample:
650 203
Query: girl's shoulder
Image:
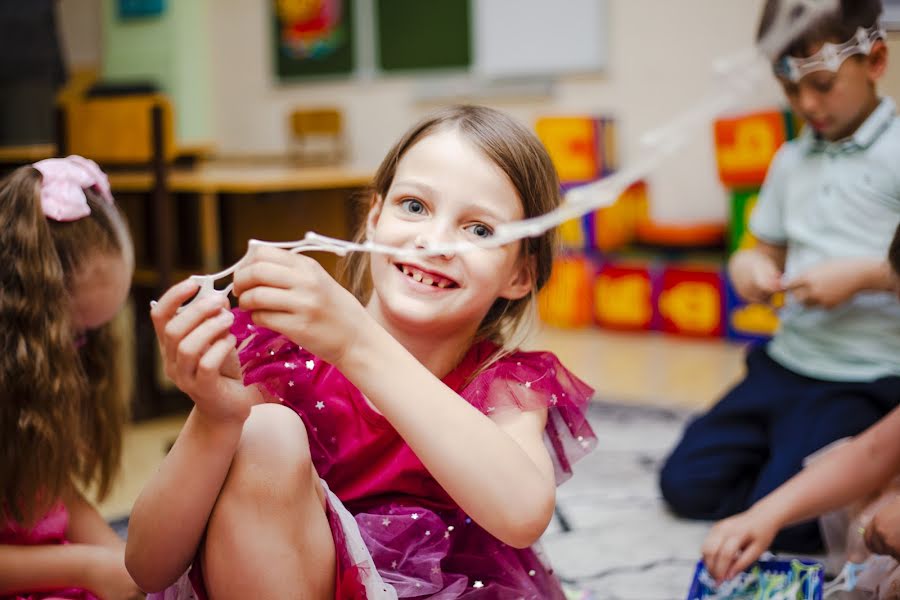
528 381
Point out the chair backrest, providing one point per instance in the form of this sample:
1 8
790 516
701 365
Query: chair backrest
316 121
317 136
118 130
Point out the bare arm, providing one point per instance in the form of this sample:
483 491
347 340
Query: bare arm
93 561
498 471
51 566
845 474
850 472
170 515
86 526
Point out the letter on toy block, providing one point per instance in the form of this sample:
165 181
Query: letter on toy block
623 297
746 145
575 146
692 302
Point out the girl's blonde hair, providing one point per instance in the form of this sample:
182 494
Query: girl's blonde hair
62 408
520 155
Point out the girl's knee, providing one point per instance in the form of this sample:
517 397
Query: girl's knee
272 462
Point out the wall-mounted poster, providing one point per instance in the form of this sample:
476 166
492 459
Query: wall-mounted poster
313 37
136 9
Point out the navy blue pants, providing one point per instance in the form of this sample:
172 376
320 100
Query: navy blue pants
757 436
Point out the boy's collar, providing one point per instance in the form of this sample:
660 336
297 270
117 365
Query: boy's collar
864 136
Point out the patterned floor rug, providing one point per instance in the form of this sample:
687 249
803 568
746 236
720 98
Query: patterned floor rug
613 536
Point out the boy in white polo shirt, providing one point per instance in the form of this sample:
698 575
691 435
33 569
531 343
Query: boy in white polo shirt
825 217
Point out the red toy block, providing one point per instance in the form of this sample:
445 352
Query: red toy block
692 301
745 146
624 296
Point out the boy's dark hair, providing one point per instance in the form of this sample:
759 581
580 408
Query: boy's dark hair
836 26
894 252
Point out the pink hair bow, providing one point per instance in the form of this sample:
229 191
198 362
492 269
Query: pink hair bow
63 185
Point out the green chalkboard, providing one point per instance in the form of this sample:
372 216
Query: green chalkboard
329 53
423 34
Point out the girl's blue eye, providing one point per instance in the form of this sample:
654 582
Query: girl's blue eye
481 230
413 206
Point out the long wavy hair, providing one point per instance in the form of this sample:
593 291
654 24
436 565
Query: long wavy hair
522 157
62 407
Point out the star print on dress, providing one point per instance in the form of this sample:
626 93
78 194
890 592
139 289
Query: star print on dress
320 405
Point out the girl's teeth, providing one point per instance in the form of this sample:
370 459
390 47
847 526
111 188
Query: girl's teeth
417 276
405 270
427 280
442 284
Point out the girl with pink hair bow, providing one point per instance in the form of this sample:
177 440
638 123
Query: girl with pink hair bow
65 274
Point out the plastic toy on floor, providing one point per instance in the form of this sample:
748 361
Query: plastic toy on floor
766 580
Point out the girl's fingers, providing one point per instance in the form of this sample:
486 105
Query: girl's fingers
726 556
187 320
744 559
197 342
162 310
268 299
267 273
209 367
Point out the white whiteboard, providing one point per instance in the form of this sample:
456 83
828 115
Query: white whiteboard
521 38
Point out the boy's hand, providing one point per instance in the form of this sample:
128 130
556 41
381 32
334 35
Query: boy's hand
882 535
293 295
755 276
830 283
735 543
199 353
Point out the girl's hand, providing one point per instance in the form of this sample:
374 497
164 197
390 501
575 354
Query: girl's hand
735 543
293 295
106 576
199 353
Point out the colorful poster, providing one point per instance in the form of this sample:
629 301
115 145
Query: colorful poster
313 37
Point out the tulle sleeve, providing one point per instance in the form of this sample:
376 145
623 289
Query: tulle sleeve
282 369
534 381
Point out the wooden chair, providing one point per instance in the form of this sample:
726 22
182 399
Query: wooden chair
317 136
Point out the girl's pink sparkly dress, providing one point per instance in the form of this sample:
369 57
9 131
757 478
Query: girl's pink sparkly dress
416 542
51 529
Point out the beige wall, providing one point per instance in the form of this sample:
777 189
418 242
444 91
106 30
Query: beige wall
660 63
661 52
79 26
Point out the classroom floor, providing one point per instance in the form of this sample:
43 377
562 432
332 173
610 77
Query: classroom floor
639 369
